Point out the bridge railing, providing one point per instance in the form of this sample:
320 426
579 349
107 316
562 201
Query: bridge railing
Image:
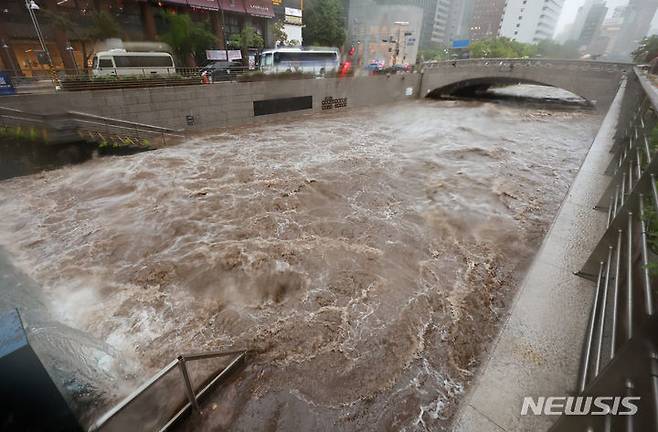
546 63
620 355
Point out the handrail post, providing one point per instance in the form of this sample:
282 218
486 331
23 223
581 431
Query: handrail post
648 295
615 295
630 424
604 303
629 279
188 384
587 352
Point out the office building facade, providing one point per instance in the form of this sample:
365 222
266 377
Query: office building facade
530 21
485 19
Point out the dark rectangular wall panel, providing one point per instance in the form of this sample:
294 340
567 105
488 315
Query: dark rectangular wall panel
29 400
273 106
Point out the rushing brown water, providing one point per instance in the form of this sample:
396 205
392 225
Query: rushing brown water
368 255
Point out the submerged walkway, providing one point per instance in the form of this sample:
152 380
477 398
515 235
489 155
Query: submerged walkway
538 350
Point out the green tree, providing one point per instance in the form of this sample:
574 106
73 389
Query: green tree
324 23
187 39
435 51
647 50
552 49
502 48
280 35
104 26
247 38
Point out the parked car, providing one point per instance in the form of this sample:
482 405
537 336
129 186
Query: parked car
402 67
223 70
375 66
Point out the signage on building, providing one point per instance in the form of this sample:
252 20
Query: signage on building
204 4
221 55
461 43
232 6
293 12
259 8
293 20
6 86
331 103
293 16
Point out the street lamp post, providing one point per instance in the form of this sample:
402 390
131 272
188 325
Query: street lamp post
31 7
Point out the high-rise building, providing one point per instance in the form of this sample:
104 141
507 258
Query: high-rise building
441 20
486 17
384 33
579 22
603 42
451 20
530 21
592 24
428 8
637 20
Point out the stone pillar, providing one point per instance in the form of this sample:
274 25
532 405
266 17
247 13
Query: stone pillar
148 21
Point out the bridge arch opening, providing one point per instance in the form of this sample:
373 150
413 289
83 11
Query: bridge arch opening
493 88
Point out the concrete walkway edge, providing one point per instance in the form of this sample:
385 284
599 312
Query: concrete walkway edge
537 351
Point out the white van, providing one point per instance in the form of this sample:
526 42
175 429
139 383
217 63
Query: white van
122 63
312 60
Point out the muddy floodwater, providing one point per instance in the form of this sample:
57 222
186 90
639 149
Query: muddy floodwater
366 255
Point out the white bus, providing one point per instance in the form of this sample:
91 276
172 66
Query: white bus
121 63
311 60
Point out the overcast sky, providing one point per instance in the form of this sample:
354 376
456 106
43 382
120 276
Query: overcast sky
570 10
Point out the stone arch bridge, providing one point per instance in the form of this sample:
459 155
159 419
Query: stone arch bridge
592 80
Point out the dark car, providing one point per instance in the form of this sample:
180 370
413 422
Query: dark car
223 70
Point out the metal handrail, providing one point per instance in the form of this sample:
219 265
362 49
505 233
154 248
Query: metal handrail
543 62
75 120
135 125
622 322
192 395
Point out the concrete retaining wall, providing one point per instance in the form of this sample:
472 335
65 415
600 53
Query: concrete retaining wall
217 105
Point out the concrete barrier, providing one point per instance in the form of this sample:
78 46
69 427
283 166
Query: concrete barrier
206 107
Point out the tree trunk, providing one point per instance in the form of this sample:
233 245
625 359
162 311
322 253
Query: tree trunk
190 61
217 29
148 21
